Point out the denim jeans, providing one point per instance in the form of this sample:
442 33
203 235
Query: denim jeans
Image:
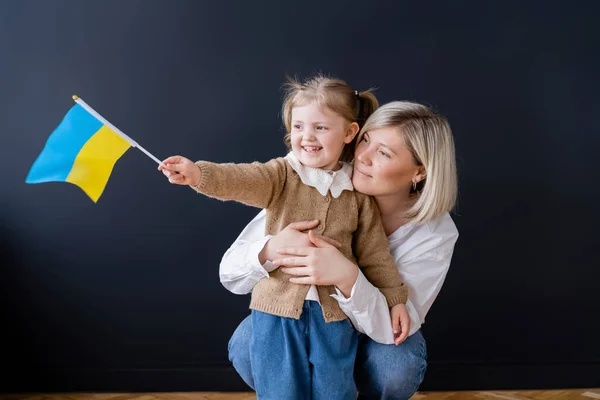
382 371
303 359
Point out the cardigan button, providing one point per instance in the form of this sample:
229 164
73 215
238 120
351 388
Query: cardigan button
320 227
326 199
328 314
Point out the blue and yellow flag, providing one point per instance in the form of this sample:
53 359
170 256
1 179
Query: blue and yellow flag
82 150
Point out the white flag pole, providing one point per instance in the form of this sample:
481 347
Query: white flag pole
100 118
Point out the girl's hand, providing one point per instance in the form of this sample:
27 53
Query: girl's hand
321 265
400 323
181 171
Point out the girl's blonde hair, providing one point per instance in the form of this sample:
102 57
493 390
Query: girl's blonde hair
332 93
428 136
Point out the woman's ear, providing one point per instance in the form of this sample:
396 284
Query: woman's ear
420 174
351 132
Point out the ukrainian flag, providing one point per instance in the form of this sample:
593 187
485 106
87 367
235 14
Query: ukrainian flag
82 150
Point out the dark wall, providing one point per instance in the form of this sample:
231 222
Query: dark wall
125 294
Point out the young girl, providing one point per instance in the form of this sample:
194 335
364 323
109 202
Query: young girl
313 344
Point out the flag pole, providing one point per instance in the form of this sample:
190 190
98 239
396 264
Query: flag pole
100 118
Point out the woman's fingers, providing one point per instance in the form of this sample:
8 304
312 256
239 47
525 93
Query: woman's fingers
305 280
322 241
294 251
303 225
290 261
296 271
331 241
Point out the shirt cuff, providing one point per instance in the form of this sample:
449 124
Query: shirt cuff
350 301
253 252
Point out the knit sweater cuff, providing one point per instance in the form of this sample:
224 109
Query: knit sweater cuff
394 296
205 175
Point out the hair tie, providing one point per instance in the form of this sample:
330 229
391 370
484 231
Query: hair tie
358 107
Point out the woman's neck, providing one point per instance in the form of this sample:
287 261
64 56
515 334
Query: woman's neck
393 210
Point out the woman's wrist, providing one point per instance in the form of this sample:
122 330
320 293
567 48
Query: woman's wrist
346 285
263 256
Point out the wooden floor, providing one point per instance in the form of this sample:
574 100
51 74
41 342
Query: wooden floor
584 394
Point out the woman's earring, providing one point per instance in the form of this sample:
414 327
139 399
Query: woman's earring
414 185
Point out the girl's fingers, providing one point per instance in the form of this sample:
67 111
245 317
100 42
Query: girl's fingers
176 178
396 325
172 160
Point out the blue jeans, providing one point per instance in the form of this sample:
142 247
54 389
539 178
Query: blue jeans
303 359
382 371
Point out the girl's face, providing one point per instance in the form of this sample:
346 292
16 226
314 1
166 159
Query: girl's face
319 135
383 165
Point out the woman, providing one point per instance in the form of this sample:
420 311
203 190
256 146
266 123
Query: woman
405 159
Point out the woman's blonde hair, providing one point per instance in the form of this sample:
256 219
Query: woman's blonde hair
332 93
428 136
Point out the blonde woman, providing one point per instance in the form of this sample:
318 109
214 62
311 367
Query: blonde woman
405 159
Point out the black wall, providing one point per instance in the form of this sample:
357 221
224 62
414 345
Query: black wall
125 294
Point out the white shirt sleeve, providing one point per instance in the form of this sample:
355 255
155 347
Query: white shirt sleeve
240 269
424 275
368 310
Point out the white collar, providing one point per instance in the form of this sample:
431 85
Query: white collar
323 180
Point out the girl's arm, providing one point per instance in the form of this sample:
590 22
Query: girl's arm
372 252
255 184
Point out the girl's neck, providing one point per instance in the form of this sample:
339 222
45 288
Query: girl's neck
393 209
332 167
337 167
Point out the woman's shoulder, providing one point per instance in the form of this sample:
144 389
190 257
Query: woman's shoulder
443 226
433 238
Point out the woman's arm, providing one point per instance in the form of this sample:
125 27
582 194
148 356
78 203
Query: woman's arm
424 275
248 259
363 303
240 268
423 272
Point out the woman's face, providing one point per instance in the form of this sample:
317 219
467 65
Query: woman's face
383 165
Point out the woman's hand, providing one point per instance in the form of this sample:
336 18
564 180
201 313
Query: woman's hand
181 171
400 323
291 235
320 265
